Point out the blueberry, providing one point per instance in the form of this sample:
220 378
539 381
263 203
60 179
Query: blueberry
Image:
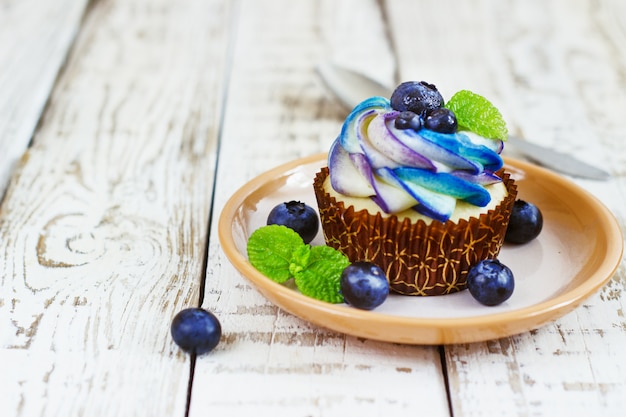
297 216
196 330
490 282
418 97
441 120
408 120
525 223
364 285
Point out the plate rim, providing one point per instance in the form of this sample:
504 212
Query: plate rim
443 328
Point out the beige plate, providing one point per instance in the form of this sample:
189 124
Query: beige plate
577 252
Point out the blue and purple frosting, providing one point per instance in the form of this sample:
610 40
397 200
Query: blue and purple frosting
403 169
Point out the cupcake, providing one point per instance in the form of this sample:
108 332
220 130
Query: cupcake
417 186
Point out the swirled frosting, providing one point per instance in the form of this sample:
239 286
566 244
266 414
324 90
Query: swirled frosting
400 169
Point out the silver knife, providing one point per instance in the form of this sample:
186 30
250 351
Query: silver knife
352 87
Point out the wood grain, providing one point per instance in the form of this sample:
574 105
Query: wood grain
108 226
270 362
555 71
35 38
104 227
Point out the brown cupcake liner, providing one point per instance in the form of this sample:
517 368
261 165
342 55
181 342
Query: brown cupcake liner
418 258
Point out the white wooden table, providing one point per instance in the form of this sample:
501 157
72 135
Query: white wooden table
125 125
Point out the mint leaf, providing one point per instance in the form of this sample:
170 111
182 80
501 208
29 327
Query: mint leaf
299 259
280 254
271 250
475 113
321 277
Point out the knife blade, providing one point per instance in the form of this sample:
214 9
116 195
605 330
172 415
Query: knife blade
352 87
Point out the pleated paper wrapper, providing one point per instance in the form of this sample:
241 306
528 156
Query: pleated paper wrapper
418 258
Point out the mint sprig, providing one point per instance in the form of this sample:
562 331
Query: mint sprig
279 253
476 114
321 277
271 250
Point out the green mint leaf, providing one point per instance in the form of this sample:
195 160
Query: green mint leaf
320 279
280 254
271 250
299 259
475 113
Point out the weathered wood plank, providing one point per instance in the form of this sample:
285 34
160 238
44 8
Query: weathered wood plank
103 230
35 38
556 71
270 362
